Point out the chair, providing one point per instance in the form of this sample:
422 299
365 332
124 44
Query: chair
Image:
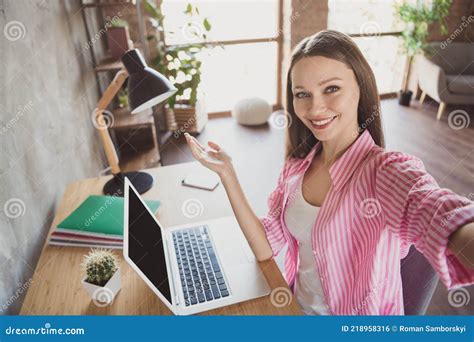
448 75
419 281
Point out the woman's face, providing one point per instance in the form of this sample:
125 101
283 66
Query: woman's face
325 97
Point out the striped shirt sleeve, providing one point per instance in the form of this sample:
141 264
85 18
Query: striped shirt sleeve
423 214
272 221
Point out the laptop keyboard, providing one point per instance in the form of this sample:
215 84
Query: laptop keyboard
199 270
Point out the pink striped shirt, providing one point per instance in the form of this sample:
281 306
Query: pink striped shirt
378 205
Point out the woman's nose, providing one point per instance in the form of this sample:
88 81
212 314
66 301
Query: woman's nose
318 107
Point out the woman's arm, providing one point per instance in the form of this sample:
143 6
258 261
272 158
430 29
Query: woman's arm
461 244
218 161
421 213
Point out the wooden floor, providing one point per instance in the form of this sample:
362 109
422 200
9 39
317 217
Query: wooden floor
257 153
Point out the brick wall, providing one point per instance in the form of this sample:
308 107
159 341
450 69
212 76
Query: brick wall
459 12
301 18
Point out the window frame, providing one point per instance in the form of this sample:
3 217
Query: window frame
278 39
279 69
388 95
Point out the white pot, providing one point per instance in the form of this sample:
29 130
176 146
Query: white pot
103 295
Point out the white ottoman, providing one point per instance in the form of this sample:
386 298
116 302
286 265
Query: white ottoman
252 111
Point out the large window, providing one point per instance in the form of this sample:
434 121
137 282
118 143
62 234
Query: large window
239 71
374 27
248 63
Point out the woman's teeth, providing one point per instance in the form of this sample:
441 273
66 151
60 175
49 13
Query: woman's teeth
322 122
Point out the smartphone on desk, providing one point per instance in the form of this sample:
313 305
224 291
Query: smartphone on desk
201 181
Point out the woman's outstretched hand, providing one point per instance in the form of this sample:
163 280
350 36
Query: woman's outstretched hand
214 157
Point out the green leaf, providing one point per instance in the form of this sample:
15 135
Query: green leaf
151 9
207 25
419 18
189 9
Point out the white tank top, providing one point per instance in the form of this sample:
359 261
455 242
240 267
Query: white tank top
300 217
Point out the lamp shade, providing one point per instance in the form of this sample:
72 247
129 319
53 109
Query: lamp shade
146 86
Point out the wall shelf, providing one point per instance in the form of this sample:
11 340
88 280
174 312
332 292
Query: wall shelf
109 64
135 136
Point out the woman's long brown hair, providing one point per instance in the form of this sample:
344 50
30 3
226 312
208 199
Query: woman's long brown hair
338 46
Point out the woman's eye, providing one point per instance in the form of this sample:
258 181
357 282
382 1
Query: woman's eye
301 94
331 89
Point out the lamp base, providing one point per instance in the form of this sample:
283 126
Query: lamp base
141 181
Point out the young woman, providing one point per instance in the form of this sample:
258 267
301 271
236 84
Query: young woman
348 209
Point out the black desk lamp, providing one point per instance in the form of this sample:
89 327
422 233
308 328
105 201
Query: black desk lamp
146 88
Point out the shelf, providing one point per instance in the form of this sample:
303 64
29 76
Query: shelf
109 64
124 119
135 135
109 4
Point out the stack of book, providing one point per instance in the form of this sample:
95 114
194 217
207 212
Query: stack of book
97 222
190 119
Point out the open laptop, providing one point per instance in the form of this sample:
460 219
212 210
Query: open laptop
194 267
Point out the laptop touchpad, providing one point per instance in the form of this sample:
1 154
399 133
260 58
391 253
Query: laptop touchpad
232 247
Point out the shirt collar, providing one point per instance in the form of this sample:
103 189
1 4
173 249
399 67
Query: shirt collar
343 168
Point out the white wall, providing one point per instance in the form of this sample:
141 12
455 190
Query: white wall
47 139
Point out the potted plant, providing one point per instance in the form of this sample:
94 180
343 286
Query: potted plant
180 64
118 38
102 280
417 18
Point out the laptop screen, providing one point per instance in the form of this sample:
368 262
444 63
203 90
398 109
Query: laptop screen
145 245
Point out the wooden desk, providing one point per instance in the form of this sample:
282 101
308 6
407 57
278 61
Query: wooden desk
56 287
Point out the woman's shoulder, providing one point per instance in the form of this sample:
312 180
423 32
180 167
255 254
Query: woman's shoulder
383 160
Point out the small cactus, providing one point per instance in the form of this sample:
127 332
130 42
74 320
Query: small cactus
100 265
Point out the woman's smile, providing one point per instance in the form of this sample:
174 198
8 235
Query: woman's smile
322 123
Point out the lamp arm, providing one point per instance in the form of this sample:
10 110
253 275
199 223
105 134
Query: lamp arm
104 101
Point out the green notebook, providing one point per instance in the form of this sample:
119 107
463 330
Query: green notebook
99 216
